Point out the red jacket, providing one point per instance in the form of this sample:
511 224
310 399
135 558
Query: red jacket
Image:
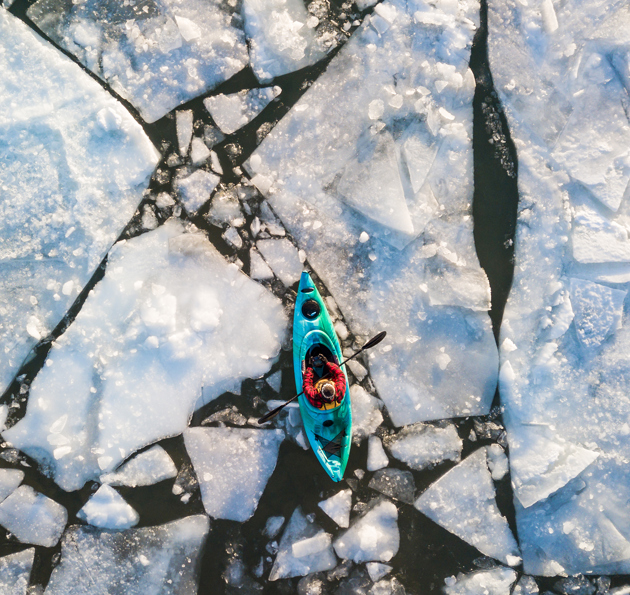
337 377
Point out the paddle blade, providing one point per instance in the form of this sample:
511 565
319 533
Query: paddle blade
375 340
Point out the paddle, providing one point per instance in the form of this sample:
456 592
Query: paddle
371 343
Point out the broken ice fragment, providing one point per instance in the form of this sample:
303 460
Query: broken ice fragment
160 559
108 510
497 581
372 537
311 545
299 529
394 483
233 466
258 268
377 459
497 462
196 189
273 526
15 572
338 507
232 112
32 517
199 153
463 502
281 255
184 126
366 413
9 480
147 468
377 571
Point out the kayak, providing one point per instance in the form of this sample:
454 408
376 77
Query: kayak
329 431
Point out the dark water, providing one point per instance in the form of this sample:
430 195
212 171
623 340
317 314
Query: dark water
428 554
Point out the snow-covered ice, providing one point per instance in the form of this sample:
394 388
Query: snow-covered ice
376 459
366 413
338 507
233 111
184 127
161 559
315 559
15 572
463 502
9 480
164 322
394 115
155 54
394 483
526 586
562 77
377 571
280 36
282 256
73 166
107 509
496 581
372 537
258 268
149 467
195 189
233 466
421 446
33 517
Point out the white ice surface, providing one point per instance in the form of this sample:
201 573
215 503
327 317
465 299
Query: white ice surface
73 166
233 111
376 459
282 256
184 127
9 480
377 571
565 387
162 559
199 153
155 54
463 502
33 517
280 38
286 564
164 322
338 507
147 468
372 537
258 268
366 413
107 509
497 581
421 446
233 466
15 572
396 99
195 189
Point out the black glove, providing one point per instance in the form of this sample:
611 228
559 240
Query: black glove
318 360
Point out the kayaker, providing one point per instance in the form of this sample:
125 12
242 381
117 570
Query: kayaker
327 391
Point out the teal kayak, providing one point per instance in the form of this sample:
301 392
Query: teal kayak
329 432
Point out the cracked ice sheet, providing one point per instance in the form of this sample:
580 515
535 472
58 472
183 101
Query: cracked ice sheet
15 572
161 559
371 172
564 369
156 54
163 323
73 166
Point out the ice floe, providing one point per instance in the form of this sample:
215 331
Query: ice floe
155 54
231 112
394 483
147 468
33 517
366 413
338 507
373 536
282 256
161 559
377 459
394 114
233 466
184 127
304 548
561 72
377 571
496 581
9 480
463 502
163 323
107 509
195 189
73 166
15 572
421 446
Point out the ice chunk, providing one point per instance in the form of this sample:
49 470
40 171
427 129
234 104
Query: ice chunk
15 572
462 501
394 483
225 209
421 446
161 559
280 41
372 537
366 413
9 480
377 459
377 571
282 256
161 322
526 586
497 462
496 581
258 268
310 546
233 466
184 125
32 517
73 167
147 468
232 112
199 153
299 529
338 507
275 381
196 188
107 509
273 526
153 54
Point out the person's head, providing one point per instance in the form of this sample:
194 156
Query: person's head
327 390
